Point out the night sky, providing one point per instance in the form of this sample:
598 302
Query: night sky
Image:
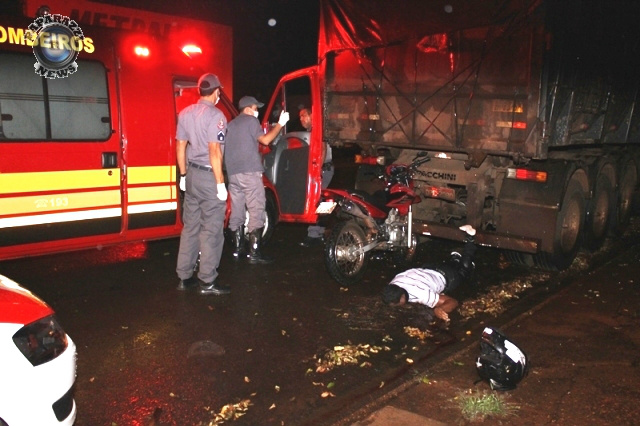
261 53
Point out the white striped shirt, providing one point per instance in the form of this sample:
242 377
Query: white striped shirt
423 285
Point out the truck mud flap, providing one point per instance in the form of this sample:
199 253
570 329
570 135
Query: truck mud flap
529 209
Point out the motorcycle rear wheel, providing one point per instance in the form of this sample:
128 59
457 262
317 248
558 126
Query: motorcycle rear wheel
343 263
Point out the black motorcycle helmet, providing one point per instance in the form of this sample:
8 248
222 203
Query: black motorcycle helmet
500 362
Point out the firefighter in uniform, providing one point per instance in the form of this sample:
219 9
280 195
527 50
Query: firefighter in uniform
244 168
200 147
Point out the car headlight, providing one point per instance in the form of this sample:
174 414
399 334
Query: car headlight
41 341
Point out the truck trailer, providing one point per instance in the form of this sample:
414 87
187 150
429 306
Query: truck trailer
529 110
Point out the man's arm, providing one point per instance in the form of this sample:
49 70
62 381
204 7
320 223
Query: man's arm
266 139
271 134
181 156
444 306
215 158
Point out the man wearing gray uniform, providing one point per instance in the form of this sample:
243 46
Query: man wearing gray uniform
244 168
200 147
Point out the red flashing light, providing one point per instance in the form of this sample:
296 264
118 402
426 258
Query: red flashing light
519 125
142 51
191 50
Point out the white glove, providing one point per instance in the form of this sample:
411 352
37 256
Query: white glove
284 117
222 192
183 183
468 229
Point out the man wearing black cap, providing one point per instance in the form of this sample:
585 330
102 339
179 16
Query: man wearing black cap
244 169
200 139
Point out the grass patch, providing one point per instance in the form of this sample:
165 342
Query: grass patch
476 405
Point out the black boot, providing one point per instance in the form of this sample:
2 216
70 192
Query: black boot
255 257
238 243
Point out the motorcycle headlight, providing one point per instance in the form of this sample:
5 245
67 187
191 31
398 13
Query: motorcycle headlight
41 341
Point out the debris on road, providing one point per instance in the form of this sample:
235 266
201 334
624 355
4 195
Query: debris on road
347 355
494 301
231 412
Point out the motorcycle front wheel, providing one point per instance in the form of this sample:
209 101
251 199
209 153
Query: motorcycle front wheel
344 262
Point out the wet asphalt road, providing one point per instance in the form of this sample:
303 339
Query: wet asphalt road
145 347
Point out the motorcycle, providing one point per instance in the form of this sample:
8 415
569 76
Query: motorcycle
371 224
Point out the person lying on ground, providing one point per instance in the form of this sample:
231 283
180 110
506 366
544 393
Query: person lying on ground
427 285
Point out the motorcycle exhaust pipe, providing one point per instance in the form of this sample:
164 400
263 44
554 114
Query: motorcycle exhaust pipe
354 210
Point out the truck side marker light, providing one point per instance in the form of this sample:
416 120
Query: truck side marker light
528 175
366 159
520 125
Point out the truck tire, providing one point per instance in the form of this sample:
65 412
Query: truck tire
599 213
568 232
519 258
344 266
624 197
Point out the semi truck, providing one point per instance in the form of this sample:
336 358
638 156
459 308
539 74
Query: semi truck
528 109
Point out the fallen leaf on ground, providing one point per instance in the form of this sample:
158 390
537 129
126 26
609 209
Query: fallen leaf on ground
230 412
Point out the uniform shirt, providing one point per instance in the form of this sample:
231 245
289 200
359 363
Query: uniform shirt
200 124
423 285
241 154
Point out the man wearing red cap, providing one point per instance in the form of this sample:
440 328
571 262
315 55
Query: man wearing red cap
200 139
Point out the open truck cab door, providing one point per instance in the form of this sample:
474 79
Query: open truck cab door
293 162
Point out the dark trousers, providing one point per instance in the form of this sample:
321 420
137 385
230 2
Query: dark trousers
457 270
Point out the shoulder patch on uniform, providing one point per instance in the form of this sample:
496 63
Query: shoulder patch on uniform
221 136
221 124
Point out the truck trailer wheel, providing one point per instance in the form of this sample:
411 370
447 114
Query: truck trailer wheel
568 231
624 197
600 211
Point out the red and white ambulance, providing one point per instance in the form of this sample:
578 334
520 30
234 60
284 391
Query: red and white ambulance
89 159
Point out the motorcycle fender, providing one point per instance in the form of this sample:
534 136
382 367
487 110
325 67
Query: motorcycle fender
368 208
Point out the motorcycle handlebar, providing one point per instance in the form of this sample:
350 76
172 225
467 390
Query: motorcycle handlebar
419 161
405 170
